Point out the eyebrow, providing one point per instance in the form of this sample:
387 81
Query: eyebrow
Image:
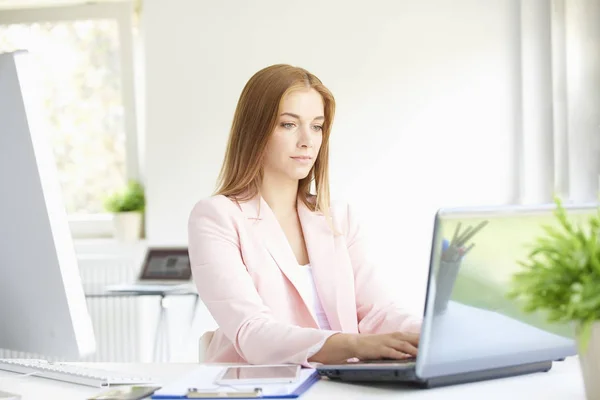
298 117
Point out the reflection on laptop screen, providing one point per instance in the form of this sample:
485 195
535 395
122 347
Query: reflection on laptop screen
472 324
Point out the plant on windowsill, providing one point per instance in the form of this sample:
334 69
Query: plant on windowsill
561 277
127 207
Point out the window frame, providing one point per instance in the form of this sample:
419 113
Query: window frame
97 225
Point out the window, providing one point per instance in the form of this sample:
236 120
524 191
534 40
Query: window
84 54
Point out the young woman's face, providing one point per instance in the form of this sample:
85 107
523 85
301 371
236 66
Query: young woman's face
296 140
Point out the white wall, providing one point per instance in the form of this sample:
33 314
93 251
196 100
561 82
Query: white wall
427 106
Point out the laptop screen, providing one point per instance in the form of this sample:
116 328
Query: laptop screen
168 264
470 322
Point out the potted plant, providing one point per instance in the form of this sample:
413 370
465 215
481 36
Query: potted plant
128 208
561 277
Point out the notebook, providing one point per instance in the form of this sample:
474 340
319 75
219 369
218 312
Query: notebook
472 330
200 383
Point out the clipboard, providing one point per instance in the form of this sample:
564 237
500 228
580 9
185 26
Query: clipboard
200 384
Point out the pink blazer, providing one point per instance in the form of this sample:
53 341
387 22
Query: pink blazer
247 276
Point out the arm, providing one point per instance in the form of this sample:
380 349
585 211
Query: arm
377 313
228 291
336 349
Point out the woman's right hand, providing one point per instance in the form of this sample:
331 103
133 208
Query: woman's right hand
397 345
341 347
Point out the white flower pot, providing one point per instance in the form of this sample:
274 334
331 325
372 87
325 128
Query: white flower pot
127 226
590 364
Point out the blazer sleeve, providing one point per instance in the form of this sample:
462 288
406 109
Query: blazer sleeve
376 311
227 290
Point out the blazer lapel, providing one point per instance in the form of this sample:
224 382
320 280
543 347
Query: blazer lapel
320 245
265 223
321 251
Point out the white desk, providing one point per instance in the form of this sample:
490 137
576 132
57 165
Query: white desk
562 382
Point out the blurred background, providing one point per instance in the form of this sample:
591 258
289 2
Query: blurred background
439 104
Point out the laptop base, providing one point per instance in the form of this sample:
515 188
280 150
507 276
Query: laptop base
477 376
407 376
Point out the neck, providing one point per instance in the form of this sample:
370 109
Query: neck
280 194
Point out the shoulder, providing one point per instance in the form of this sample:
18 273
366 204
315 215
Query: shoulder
216 207
212 220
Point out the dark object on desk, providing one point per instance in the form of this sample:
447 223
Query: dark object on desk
401 372
126 393
163 269
166 264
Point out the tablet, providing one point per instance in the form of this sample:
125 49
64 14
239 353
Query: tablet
258 374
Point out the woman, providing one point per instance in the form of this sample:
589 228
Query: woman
283 272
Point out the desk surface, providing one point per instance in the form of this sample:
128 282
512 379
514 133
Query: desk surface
154 290
563 381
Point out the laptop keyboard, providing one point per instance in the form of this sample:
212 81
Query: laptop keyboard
389 361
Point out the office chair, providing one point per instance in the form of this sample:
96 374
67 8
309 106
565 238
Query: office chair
204 342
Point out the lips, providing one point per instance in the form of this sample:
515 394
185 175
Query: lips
303 160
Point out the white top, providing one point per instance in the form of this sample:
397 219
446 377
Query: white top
309 291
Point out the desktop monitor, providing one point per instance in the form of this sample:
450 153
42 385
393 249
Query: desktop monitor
42 302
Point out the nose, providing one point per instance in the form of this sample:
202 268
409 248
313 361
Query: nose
305 139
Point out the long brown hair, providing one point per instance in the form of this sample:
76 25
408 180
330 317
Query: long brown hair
253 123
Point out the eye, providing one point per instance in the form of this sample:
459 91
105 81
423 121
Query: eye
317 128
288 125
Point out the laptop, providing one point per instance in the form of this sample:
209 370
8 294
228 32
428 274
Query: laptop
471 330
163 268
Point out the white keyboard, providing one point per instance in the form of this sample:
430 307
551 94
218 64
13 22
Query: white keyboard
71 373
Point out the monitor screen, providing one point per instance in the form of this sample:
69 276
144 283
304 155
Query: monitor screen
43 304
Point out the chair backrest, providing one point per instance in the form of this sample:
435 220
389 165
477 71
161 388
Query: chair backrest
204 342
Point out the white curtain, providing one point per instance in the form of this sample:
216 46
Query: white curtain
559 149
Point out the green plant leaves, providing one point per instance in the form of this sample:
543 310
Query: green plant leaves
561 274
132 198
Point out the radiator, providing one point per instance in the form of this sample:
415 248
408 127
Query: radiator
115 319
